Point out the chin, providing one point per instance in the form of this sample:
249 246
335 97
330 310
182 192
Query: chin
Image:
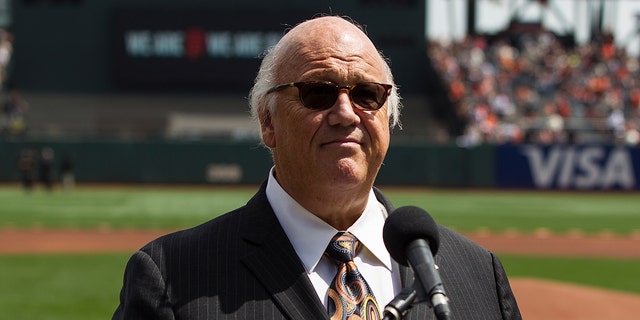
347 174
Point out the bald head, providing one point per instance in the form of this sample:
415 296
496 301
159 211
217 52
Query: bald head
326 37
329 27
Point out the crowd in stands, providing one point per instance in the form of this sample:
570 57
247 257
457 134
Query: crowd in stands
14 106
537 90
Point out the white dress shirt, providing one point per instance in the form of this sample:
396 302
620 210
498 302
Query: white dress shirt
310 236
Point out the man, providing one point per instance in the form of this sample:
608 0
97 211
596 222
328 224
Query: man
325 101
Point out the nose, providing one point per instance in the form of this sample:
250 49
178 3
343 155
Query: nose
343 112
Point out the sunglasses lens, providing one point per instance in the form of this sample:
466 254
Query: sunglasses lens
322 96
369 96
319 96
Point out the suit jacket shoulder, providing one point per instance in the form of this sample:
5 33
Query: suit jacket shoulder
474 279
238 263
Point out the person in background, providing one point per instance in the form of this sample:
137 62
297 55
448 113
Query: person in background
46 167
325 101
27 165
67 172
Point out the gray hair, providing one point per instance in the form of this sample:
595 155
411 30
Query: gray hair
265 79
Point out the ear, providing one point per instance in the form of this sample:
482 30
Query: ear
266 127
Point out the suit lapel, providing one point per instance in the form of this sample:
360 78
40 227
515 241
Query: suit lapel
272 259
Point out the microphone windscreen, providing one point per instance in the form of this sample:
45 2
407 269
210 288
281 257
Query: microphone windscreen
406 224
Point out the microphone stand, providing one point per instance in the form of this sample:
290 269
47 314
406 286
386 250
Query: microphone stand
397 308
400 305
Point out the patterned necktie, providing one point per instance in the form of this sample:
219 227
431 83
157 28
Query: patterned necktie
349 295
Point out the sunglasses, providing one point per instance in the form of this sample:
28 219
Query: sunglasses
322 95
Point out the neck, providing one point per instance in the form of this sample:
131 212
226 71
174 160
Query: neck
338 202
339 212
338 207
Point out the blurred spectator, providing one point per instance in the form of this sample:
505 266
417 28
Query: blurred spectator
535 89
67 172
15 110
27 165
46 167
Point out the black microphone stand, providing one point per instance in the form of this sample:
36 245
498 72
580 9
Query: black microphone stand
397 308
400 305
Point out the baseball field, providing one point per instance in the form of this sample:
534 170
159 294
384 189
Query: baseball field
570 255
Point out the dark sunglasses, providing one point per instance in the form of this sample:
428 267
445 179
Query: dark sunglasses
322 95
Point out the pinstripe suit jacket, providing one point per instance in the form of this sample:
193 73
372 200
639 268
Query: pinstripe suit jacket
241 265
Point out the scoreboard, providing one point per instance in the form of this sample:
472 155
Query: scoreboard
191 45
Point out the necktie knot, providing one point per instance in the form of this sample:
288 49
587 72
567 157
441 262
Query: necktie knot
343 247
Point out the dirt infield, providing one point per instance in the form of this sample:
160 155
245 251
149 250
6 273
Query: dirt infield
538 299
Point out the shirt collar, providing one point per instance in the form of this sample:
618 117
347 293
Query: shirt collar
310 235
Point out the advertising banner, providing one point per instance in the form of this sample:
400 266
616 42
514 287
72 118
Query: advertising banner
580 167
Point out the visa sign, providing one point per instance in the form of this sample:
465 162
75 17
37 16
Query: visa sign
568 167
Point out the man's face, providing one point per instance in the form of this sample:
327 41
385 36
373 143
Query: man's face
342 147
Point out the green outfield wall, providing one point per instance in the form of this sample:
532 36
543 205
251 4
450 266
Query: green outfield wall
527 166
224 162
444 165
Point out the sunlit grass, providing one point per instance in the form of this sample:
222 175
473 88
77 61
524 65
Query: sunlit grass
176 207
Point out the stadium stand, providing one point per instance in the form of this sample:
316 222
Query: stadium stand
533 88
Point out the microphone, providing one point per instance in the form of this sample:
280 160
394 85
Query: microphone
411 235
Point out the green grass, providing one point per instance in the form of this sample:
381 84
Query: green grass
465 210
86 286
117 207
528 210
60 286
616 274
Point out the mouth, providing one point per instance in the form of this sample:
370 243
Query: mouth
342 142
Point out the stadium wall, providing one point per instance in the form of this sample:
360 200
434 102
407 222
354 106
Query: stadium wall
579 167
